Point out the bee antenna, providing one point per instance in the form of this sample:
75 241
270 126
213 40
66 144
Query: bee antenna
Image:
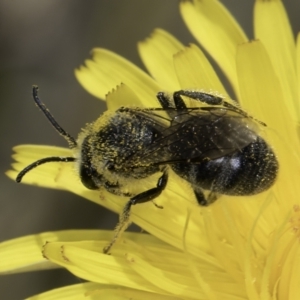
71 141
42 161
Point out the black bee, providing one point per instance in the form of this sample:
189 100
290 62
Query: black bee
213 146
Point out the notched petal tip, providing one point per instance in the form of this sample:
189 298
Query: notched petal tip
217 31
121 96
157 52
110 70
195 71
273 28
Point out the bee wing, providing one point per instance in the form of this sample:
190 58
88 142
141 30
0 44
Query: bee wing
196 135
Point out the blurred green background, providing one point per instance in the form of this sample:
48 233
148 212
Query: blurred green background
41 43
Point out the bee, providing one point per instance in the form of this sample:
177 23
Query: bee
214 146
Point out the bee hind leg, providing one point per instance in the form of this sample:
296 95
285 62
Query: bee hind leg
212 197
205 201
197 95
200 197
140 198
115 189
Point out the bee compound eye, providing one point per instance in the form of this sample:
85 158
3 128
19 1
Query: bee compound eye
90 178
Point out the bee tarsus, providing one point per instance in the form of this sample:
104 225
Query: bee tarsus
143 197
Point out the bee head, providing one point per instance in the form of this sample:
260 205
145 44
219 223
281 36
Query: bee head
89 175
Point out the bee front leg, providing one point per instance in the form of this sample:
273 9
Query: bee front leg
115 189
140 198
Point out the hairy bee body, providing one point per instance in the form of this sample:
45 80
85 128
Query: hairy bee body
214 149
106 149
250 171
213 145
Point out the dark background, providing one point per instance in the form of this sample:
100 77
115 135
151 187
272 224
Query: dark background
41 43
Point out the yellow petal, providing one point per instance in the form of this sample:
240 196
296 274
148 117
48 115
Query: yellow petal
86 260
272 27
82 291
157 54
177 283
90 81
177 199
122 95
27 154
57 175
298 65
294 274
217 31
92 291
25 253
133 257
261 93
107 70
195 72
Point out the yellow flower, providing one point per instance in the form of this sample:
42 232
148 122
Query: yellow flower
238 247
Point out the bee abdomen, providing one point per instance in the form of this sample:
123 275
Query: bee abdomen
246 172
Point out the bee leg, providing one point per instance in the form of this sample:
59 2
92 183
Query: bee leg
196 95
210 100
166 104
164 100
140 198
200 197
212 197
115 188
